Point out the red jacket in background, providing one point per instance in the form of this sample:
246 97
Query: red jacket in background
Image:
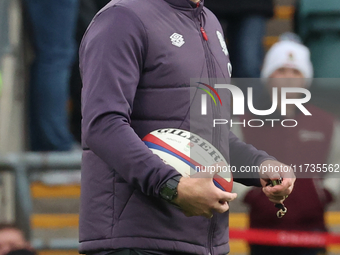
307 143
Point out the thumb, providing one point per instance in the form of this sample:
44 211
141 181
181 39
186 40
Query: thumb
221 208
226 196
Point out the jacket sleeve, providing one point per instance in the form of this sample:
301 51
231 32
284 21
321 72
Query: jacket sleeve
242 155
111 60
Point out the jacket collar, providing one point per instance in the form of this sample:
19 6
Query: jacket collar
186 5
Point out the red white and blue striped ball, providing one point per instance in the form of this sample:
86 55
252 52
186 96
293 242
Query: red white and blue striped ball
189 153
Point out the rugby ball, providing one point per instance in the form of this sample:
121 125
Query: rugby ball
189 153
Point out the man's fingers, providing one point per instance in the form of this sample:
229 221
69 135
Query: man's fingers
221 207
208 215
209 198
274 170
285 188
226 196
278 193
289 182
276 201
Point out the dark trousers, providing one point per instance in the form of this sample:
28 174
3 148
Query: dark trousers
135 252
53 26
277 250
120 252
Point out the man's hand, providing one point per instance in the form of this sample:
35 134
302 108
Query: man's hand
198 196
274 170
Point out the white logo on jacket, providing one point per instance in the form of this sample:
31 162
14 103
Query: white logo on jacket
177 39
222 42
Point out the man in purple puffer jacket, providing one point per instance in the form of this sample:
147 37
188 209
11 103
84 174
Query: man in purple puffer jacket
136 60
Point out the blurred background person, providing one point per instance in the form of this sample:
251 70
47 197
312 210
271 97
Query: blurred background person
13 242
53 26
312 141
245 29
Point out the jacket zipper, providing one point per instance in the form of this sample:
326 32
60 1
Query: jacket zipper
211 234
211 75
204 34
216 112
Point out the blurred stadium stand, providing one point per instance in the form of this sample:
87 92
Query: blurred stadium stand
12 95
318 23
54 218
281 22
319 27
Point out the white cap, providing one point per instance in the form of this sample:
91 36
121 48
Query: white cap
288 54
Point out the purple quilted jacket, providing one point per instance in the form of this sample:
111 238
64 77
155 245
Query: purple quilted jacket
137 60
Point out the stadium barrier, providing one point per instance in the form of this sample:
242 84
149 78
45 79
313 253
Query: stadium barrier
23 165
285 238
